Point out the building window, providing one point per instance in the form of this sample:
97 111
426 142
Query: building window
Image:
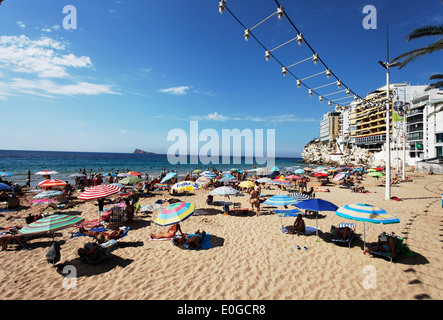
439 137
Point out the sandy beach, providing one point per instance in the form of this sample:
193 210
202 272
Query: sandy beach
250 257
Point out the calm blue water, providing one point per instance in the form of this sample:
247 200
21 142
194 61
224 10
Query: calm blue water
66 163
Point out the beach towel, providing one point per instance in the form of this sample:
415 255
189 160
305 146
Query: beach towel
309 230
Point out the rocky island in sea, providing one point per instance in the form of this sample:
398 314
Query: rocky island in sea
139 151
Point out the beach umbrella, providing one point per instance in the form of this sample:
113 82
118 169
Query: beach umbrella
280 200
286 213
135 174
376 174
223 191
320 174
168 176
366 213
49 224
123 175
274 169
307 169
46 172
281 182
299 196
299 171
339 177
202 181
98 192
161 186
246 184
175 213
196 171
118 185
316 205
4 186
5 174
185 186
263 180
52 183
292 177
226 180
78 175
229 176
130 180
47 194
372 170
208 174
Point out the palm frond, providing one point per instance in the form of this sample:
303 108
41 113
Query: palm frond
435 85
414 54
430 30
436 76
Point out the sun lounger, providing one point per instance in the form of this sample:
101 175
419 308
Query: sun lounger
351 236
102 252
388 255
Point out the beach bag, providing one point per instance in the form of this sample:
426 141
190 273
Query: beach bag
53 255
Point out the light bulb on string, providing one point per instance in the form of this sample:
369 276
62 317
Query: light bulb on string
247 34
221 6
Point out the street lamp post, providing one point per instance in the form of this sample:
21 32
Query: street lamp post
388 65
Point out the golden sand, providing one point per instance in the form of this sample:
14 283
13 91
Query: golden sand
250 258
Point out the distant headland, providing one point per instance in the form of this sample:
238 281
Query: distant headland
138 151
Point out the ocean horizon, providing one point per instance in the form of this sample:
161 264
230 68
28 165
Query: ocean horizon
18 162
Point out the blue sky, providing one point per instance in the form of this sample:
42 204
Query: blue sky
134 70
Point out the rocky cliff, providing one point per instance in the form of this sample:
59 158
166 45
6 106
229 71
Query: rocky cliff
316 152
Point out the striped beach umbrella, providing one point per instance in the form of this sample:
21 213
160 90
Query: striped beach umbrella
366 213
299 196
52 183
49 224
175 213
339 176
162 186
280 200
98 192
208 174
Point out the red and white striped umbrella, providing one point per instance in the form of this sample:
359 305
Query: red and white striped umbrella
97 192
52 183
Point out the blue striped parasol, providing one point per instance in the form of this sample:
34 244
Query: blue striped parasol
366 213
49 224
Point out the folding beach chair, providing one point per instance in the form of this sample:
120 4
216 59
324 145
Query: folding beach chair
116 217
351 236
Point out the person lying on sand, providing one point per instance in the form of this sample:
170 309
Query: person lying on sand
193 242
102 236
172 231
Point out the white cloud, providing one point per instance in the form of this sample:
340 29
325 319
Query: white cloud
271 119
216 117
112 11
21 24
182 90
50 89
45 57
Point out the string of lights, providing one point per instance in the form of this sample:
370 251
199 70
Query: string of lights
300 39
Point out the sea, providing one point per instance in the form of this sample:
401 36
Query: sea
66 163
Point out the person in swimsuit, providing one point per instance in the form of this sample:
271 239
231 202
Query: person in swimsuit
102 236
299 225
193 242
172 231
385 243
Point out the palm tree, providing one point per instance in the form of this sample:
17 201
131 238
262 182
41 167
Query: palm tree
431 30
